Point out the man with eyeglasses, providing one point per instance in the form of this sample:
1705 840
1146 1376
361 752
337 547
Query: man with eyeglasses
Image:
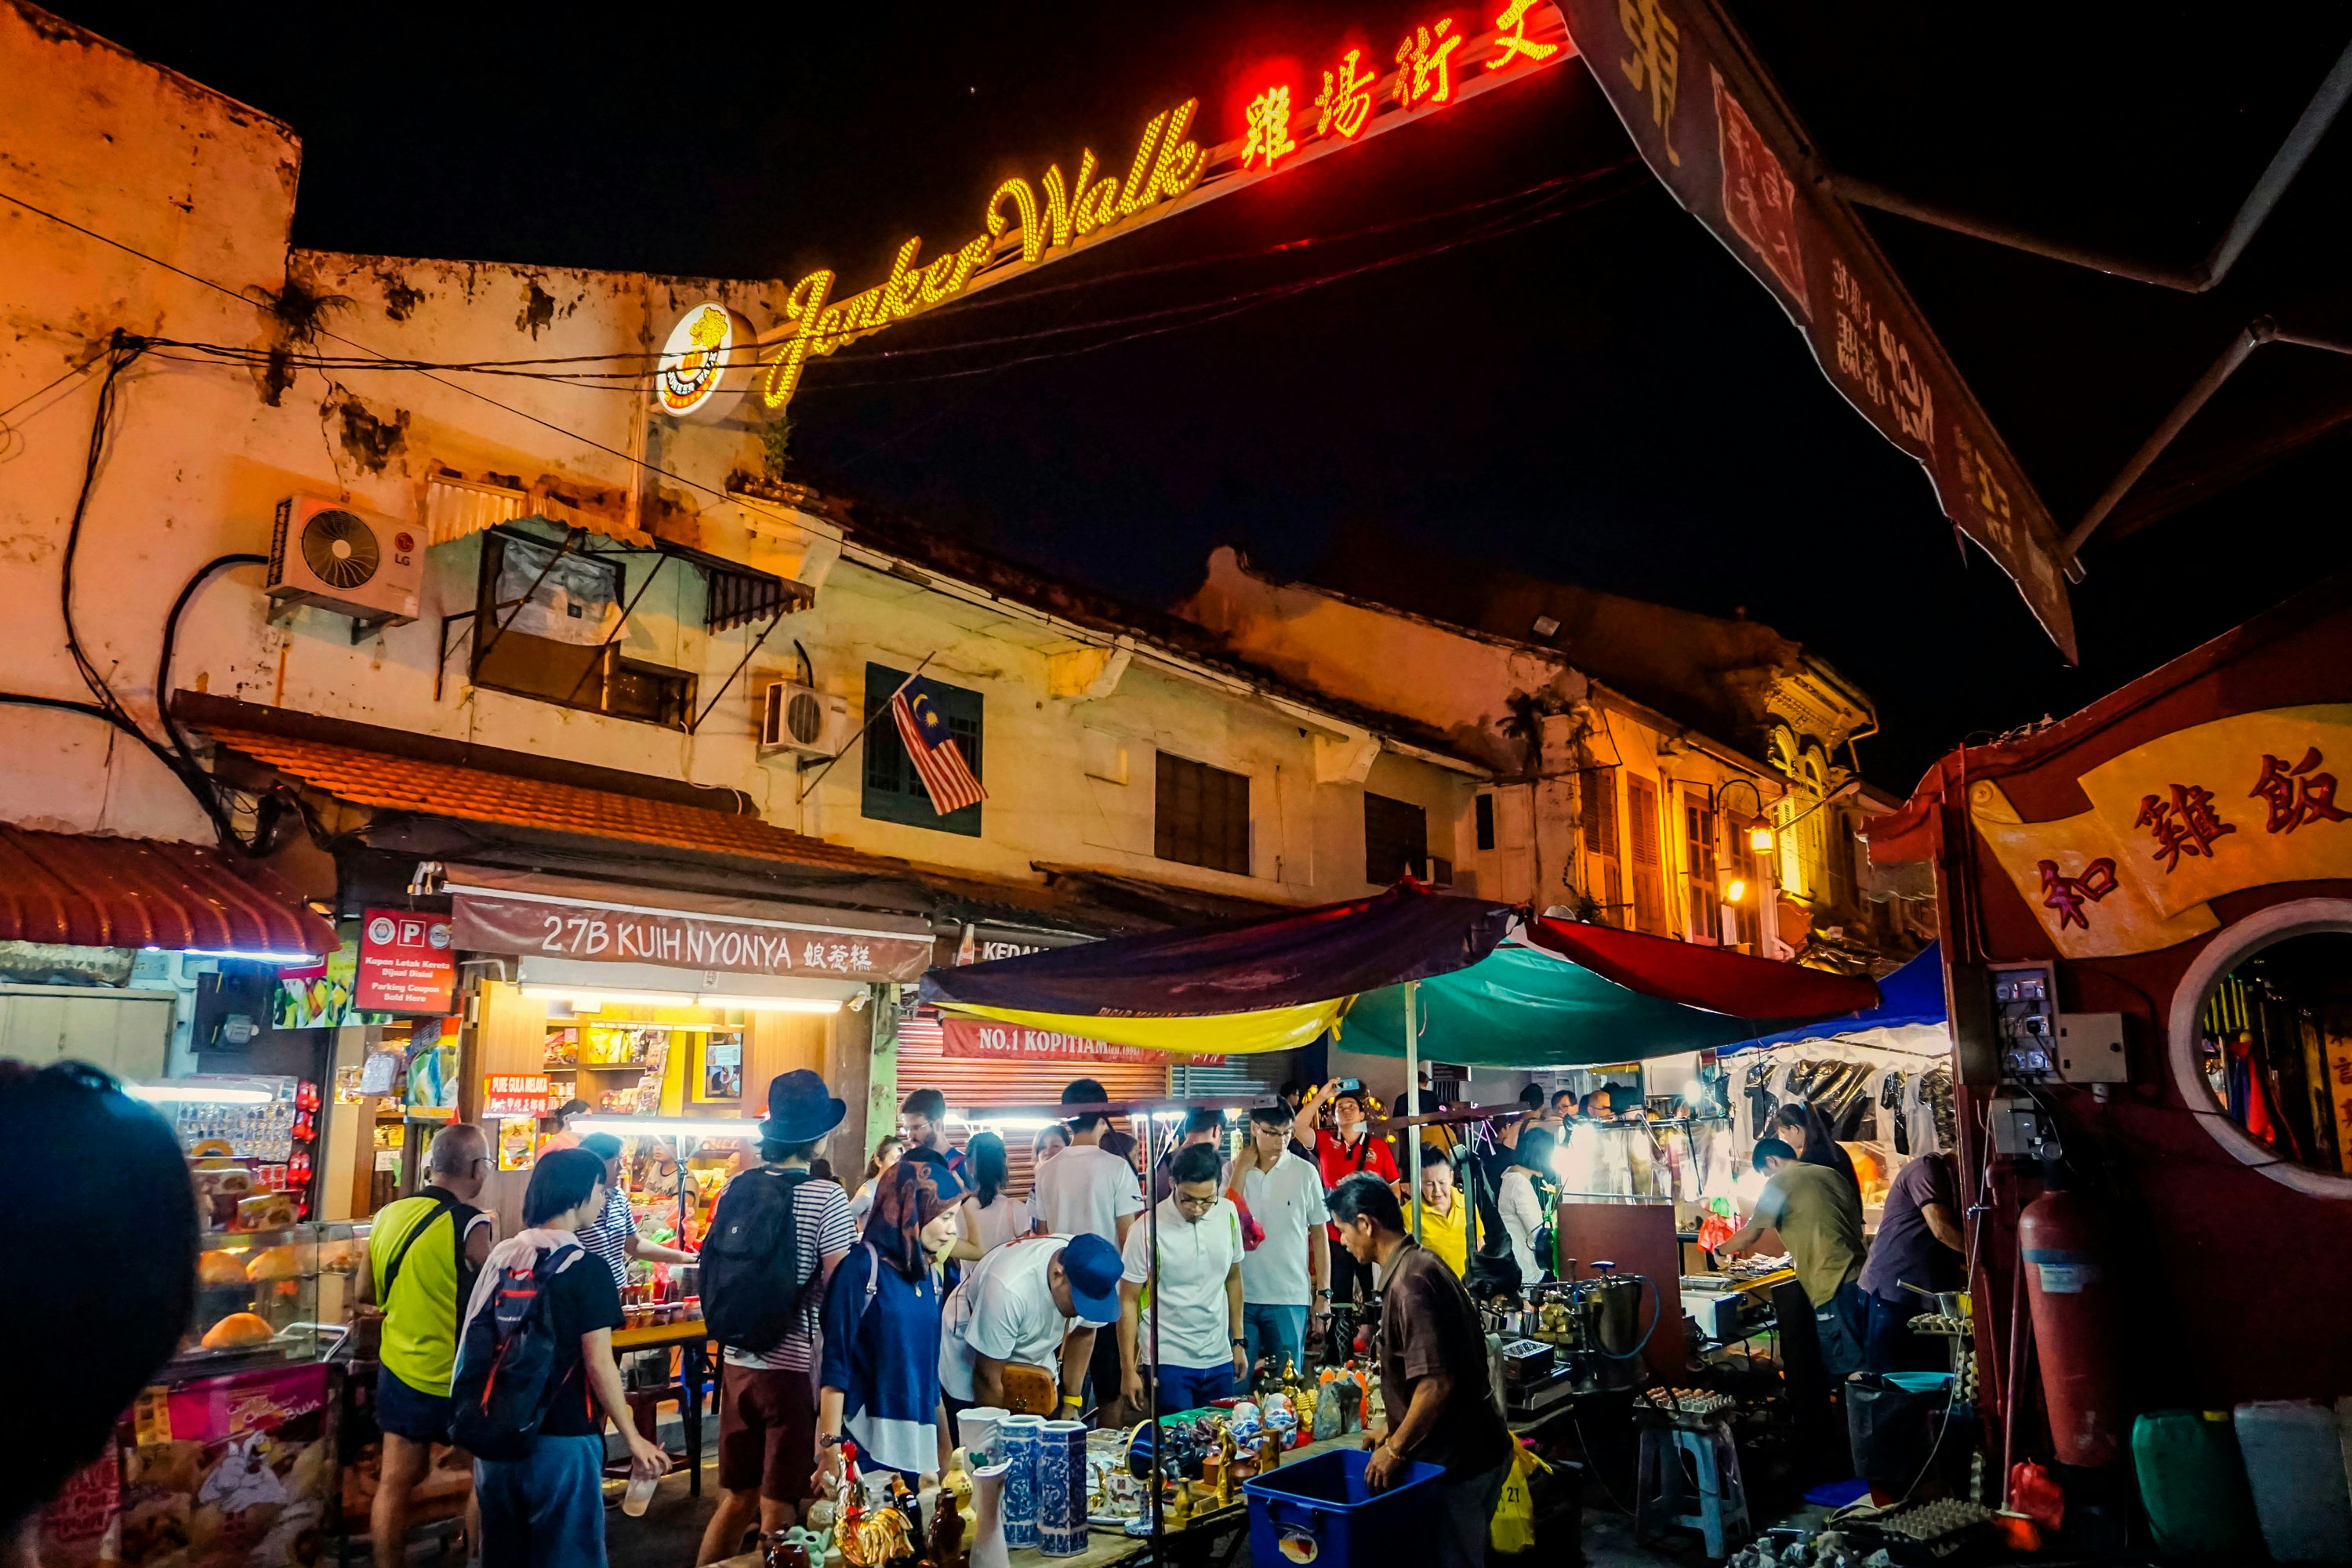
423 1255
1199 1351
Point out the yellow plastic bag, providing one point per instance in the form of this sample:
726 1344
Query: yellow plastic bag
1514 1525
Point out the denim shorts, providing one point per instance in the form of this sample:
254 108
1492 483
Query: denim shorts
407 1412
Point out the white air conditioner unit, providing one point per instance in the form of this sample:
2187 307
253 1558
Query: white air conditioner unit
355 564
801 719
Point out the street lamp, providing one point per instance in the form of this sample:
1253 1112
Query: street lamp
1760 831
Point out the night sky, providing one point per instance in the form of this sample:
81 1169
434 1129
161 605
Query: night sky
1536 359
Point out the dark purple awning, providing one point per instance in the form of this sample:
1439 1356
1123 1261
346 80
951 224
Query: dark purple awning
1287 960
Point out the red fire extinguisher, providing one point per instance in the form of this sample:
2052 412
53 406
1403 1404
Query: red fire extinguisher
2064 1240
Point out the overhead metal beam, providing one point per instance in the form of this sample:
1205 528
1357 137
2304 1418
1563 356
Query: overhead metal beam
2295 150
2254 334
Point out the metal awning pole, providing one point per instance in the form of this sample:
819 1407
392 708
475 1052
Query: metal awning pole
1412 1095
1151 1377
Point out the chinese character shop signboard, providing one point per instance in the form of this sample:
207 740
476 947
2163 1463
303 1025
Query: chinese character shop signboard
516 1094
2188 818
612 933
1706 127
407 963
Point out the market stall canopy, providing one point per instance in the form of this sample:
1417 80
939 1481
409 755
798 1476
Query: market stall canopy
1242 987
84 891
1576 995
1913 996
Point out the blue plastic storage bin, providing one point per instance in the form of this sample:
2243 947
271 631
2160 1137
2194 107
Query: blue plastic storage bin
1329 1516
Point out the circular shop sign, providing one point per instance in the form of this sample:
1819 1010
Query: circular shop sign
706 364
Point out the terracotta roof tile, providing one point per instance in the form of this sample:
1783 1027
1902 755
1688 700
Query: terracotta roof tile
393 783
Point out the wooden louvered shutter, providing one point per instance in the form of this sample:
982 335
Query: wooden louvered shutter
1649 872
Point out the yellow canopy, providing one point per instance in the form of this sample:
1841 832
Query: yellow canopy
1232 1034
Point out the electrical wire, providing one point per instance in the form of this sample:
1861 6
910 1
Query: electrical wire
377 360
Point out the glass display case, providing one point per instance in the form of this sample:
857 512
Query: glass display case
270 1296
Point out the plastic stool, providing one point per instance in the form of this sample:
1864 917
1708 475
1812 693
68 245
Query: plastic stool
1663 1492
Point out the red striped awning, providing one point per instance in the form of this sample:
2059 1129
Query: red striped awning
84 891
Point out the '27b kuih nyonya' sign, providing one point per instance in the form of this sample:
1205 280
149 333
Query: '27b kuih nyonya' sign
603 934
714 356
1710 134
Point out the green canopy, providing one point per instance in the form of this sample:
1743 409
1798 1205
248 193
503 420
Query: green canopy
1522 1007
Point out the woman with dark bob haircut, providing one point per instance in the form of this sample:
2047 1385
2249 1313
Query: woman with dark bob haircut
546 1509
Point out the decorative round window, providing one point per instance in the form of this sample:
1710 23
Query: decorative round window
2261 1043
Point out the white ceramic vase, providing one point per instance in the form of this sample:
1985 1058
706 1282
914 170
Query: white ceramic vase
988 1548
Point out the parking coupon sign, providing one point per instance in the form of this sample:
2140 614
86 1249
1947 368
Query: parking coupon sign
406 962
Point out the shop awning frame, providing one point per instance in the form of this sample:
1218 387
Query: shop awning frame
90 890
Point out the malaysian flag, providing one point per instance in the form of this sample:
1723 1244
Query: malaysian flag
931 747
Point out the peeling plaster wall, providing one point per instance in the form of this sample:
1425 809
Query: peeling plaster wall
201 452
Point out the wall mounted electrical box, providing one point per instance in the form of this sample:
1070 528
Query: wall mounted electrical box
2090 1048
2020 1131
2025 1021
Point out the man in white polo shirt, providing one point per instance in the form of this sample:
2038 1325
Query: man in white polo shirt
1197 1290
1287 1275
1086 1190
1036 1302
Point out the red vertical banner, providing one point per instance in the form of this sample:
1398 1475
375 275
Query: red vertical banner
1717 136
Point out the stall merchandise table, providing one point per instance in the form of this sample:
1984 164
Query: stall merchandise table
691 1335
1105 1547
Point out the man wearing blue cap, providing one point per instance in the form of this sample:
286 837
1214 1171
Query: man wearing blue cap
1036 1303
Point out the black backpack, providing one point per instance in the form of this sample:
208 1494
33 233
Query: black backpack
506 1361
751 1295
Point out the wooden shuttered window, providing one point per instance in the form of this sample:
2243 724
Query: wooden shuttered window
1396 841
1199 815
1649 865
1605 878
1699 867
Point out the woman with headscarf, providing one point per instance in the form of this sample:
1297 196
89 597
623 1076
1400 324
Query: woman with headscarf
881 1377
1805 1129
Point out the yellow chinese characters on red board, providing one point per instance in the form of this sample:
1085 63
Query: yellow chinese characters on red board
2242 801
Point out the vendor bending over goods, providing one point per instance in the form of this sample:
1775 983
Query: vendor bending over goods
1433 1384
1025 1310
1196 1342
1819 1216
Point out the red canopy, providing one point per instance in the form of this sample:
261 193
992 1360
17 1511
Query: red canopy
1711 977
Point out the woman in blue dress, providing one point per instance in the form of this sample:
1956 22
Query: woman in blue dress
881 1379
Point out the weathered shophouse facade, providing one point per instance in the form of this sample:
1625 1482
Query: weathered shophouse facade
568 717
1637 749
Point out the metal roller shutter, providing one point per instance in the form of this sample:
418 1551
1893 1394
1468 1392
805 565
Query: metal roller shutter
976 1085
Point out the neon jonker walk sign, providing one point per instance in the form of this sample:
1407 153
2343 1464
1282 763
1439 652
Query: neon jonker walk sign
714 356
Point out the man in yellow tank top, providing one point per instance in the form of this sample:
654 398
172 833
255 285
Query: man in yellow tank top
423 1253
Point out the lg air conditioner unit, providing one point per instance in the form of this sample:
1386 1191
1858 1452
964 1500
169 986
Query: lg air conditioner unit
802 720
353 563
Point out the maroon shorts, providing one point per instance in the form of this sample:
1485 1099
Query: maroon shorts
767 1432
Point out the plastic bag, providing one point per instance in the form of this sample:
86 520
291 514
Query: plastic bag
1513 1527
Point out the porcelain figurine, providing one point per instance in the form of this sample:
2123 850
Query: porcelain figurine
988 1548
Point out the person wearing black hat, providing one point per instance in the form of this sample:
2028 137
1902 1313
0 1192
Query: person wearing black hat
768 1415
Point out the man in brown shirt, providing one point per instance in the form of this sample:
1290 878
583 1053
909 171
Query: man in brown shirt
1441 1406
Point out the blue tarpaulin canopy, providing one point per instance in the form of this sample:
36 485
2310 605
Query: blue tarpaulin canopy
1912 994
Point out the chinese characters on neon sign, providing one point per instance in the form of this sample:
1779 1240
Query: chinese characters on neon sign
1025 223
